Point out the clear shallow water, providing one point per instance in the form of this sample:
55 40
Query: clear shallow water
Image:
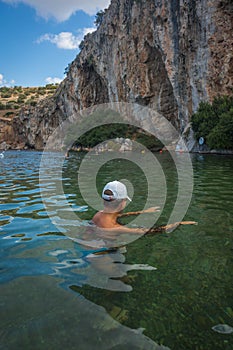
56 294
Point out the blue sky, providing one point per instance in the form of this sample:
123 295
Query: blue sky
39 38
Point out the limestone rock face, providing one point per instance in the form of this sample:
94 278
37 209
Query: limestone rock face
165 54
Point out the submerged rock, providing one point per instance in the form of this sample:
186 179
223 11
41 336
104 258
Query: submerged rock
223 328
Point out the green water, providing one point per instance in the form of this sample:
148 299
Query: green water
54 297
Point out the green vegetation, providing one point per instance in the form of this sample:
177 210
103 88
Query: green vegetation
8 114
214 122
15 97
107 132
66 71
81 45
99 18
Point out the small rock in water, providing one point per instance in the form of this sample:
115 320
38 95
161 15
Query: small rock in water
223 328
140 267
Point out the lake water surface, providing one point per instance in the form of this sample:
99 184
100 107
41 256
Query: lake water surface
167 289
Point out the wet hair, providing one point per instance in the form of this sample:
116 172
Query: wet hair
112 204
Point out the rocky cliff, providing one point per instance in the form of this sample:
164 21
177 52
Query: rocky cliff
165 54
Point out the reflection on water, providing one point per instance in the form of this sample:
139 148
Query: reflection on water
58 293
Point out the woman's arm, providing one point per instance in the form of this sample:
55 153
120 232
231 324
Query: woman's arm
143 231
149 210
168 228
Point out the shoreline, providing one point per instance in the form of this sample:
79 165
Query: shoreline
85 150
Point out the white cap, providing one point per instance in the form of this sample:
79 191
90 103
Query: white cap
118 190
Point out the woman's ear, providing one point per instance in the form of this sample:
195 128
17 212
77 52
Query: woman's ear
122 204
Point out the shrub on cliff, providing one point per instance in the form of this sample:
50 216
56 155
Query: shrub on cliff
2 106
214 122
99 18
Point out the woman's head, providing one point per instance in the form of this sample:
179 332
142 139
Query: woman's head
113 205
117 191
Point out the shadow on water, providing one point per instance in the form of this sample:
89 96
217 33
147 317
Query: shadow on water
168 289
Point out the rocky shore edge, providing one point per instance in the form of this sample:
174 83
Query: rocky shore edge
120 145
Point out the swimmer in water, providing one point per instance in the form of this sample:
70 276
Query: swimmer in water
115 198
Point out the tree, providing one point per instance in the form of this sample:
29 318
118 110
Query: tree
81 45
215 122
99 18
67 69
221 136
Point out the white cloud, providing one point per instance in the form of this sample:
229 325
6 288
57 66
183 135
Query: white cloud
63 9
1 80
66 40
85 31
50 80
4 82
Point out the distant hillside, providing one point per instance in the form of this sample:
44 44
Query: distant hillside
13 98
